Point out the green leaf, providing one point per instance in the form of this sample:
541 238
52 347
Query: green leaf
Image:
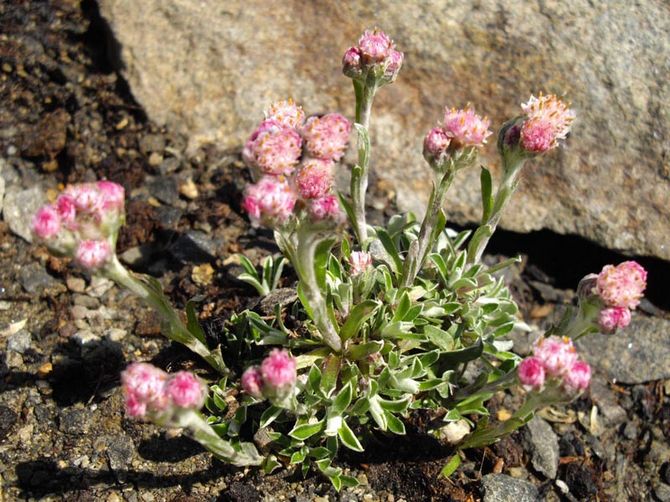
248 266
349 481
329 374
395 424
358 352
193 325
440 338
403 307
299 456
399 406
487 194
270 464
391 249
269 416
348 438
463 355
342 400
302 432
358 315
451 466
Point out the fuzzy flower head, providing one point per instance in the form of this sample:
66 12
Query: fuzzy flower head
532 373
46 223
375 54
144 389
326 208
375 46
351 63
113 195
548 120
623 285
359 262
556 354
252 382
270 201
287 113
435 145
273 147
92 254
393 64
577 377
466 128
326 137
185 390
612 318
279 374
314 178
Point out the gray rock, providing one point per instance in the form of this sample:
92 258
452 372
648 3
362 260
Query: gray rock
168 216
612 413
638 354
610 58
194 247
75 420
152 143
662 492
20 341
542 444
120 452
164 189
8 419
19 208
35 280
281 296
502 488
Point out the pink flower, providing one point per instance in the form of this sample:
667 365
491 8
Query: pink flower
577 377
185 390
113 195
359 262
270 201
327 208
273 148
252 382
623 285
435 144
548 121
351 63
465 127
612 318
144 389
286 113
87 198
531 373
556 354
375 46
314 178
46 222
326 137
91 254
67 210
278 371
393 65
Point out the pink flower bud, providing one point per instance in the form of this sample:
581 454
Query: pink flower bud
87 198
113 195
46 222
67 211
91 254
278 371
556 354
393 65
465 127
623 285
375 46
326 137
359 262
612 318
327 208
135 408
286 113
435 144
273 148
252 382
270 201
185 390
531 373
577 377
548 121
314 178
351 63
144 389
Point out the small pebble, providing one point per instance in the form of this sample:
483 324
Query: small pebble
189 189
75 284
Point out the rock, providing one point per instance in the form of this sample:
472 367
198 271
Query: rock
662 492
194 247
168 216
164 189
606 401
638 354
75 284
494 56
543 447
20 341
75 420
152 143
581 480
120 452
19 208
280 296
49 135
2 192
35 280
8 419
502 488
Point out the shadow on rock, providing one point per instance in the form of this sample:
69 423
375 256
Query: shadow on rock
160 449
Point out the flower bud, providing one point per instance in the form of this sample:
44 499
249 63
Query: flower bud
375 46
623 285
113 195
359 262
46 223
91 254
556 354
67 210
273 148
351 63
587 287
327 208
185 390
314 178
278 371
466 128
144 389
435 146
286 113
270 201
393 65
252 382
531 373
577 377
612 318
375 55
326 137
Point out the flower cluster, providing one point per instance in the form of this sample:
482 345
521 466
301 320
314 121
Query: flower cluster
150 392
83 222
274 379
547 121
375 54
295 158
620 288
556 359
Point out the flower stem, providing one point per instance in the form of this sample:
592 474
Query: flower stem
149 289
419 249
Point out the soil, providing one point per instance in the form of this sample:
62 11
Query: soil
68 116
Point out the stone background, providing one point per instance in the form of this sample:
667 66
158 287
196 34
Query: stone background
208 68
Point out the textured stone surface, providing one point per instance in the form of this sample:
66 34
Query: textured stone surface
638 354
503 488
543 445
208 68
19 208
